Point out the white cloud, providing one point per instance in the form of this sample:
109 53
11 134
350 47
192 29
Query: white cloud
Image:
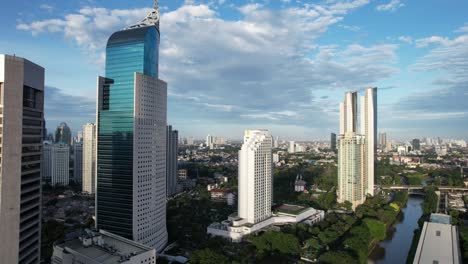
350 28
406 39
424 42
48 8
89 28
393 5
463 29
221 107
263 66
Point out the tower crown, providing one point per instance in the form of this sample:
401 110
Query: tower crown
152 19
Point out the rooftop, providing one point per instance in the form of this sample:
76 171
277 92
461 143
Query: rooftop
441 219
438 244
111 249
290 209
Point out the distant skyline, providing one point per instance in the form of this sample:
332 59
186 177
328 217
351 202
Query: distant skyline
278 65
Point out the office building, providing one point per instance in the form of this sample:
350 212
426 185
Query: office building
210 141
102 248
356 152
171 160
292 147
382 141
89 158
416 144
440 150
276 158
333 141
78 162
46 166
255 176
22 109
60 164
276 142
131 137
439 242
190 141
63 134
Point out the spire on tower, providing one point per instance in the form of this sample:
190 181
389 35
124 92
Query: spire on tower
152 19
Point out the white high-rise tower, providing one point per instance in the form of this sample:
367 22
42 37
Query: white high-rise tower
255 176
89 158
369 130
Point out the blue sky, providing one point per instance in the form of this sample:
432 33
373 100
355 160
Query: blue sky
282 65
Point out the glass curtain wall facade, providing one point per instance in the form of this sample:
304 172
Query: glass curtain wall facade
128 51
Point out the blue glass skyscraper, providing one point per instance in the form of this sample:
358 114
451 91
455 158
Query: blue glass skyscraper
131 142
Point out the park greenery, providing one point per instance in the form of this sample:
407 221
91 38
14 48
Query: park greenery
340 238
392 174
189 215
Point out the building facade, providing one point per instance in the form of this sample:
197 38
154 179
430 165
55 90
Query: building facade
78 162
210 141
60 164
63 134
46 166
22 113
89 158
131 137
333 141
171 160
255 176
416 143
356 152
292 147
382 141
369 130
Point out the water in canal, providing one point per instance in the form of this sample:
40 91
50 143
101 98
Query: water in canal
395 248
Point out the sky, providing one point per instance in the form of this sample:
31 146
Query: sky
283 65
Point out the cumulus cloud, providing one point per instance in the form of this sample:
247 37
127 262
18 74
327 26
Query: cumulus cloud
63 107
406 39
393 5
445 102
264 66
88 28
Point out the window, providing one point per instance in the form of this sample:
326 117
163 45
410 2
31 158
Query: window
438 233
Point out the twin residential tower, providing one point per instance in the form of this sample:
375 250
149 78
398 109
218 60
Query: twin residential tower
356 151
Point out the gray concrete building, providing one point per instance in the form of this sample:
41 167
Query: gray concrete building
439 242
172 138
78 162
21 119
60 165
102 248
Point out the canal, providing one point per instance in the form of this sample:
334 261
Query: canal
395 248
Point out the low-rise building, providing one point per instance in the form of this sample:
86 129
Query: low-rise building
299 184
235 228
182 174
219 194
102 248
439 242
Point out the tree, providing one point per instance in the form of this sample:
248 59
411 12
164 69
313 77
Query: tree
207 256
337 257
376 228
271 241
